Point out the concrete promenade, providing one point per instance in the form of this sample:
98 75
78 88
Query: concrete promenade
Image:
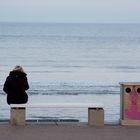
68 132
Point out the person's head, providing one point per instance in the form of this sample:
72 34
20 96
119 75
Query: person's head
18 68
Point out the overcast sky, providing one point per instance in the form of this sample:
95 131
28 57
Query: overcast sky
126 11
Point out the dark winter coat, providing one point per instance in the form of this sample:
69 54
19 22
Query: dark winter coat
15 86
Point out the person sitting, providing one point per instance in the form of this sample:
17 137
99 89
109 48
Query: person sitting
16 85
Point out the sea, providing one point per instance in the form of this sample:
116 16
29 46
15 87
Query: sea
70 63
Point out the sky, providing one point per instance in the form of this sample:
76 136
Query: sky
91 11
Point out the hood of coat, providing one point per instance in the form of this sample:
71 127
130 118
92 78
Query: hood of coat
17 74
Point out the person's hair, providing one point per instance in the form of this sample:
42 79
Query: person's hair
18 68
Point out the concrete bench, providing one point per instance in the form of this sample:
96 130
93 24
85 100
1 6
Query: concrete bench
95 111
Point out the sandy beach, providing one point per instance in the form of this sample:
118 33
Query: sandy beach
68 132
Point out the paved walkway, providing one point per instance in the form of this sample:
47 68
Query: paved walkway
68 132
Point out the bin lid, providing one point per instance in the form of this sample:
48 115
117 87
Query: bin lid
130 83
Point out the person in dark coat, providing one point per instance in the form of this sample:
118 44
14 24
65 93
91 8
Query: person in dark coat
15 86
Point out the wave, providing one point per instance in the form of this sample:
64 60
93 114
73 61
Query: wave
78 92
70 89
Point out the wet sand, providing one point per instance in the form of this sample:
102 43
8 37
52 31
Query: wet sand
68 132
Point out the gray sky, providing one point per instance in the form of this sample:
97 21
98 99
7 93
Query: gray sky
70 11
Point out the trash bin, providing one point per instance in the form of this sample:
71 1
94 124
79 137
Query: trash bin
130 103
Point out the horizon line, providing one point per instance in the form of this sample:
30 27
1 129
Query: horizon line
38 22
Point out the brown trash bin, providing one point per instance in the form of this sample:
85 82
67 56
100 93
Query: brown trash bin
130 103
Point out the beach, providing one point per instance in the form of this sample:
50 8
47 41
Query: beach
68 132
76 56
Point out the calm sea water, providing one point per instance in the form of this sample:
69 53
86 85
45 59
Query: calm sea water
71 63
